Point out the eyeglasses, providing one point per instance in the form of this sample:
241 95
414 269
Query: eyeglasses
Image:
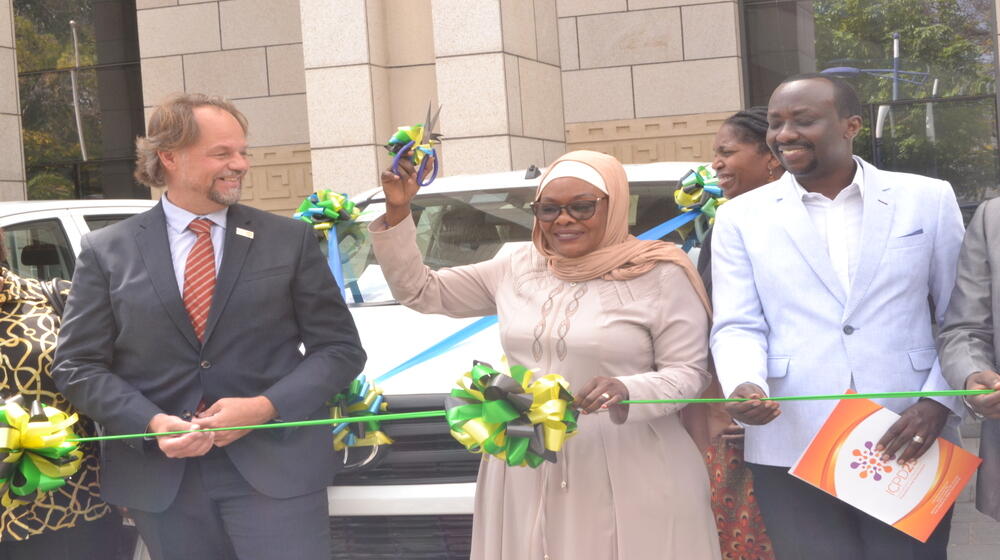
578 209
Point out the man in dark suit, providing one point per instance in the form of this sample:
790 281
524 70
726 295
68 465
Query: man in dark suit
191 315
970 340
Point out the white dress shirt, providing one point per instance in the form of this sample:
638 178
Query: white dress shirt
182 239
838 223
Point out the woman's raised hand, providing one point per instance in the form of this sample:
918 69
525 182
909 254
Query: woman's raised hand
400 189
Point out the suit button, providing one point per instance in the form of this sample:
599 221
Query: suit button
848 329
205 364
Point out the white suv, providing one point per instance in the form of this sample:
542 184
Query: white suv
43 237
412 499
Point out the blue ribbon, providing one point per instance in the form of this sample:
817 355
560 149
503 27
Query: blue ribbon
485 322
669 226
441 347
333 259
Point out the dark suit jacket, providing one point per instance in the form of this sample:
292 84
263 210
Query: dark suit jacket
969 338
127 351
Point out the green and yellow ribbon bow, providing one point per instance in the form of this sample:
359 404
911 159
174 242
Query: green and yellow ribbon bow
698 191
36 456
521 421
361 398
323 209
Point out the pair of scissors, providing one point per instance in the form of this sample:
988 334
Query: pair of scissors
417 141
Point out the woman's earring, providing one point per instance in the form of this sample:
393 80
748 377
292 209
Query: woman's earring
770 174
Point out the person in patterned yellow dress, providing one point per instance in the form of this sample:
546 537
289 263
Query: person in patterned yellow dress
71 522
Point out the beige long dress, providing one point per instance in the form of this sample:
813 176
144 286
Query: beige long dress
620 491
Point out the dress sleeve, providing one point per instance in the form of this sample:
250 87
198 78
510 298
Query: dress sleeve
462 291
679 330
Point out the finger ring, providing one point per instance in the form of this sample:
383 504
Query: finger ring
918 439
606 396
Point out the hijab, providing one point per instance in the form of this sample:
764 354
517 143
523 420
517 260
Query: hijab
619 255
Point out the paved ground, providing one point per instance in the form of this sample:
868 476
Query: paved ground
974 536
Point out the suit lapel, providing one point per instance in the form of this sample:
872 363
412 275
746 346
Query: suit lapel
154 248
875 225
233 257
794 216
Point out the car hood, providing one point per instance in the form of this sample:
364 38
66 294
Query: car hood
393 334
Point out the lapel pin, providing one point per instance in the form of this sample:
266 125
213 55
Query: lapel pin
244 232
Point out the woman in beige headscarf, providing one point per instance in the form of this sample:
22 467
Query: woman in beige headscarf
620 319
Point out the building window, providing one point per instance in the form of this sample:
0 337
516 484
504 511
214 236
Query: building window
81 97
938 112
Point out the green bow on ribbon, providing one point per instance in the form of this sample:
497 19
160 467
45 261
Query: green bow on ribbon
521 421
323 209
361 398
35 455
698 191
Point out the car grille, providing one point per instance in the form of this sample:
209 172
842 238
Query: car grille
423 451
417 537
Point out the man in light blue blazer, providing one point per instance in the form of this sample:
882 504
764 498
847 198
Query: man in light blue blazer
826 280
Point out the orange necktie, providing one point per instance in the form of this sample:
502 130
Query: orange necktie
199 276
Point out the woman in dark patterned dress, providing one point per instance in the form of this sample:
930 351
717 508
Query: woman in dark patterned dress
71 522
743 162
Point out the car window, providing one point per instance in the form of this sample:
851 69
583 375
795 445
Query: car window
98 221
39 249
461 228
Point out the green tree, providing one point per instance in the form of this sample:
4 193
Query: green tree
44 54
952 41
50 186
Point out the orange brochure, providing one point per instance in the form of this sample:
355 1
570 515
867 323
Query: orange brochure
841 461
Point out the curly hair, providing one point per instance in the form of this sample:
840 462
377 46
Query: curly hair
173 126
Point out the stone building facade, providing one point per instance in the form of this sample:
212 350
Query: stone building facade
325 82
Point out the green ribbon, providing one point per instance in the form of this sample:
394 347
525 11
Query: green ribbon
836 397
439 413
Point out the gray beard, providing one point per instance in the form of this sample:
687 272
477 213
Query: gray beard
218 198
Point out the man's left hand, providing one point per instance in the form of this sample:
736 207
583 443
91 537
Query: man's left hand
916 429
988 405
229 412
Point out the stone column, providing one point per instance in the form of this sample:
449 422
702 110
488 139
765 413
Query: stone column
347 86
251 52
12 186
499 81
493 66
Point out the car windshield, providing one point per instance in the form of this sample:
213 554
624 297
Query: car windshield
460 228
